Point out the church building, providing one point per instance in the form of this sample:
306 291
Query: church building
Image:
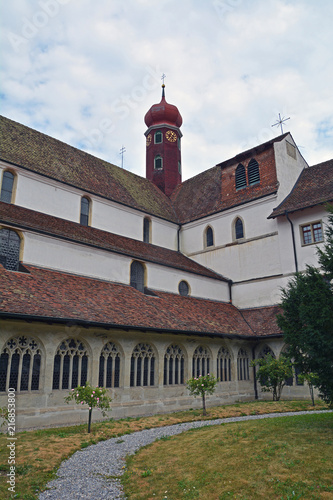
137 284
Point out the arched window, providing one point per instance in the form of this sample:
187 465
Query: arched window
174 365
239 230
9 249
183 288
109 366
223 365
209 237
253 172
158 162
142 366
70 365
179 168
146 230
7 186
240 177
85 209
158 137
200 362
137 276
243 365
266 351
20 365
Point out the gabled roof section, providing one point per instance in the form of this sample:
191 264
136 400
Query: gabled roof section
37 152
313 187
23 218
262 320
214 190
46 295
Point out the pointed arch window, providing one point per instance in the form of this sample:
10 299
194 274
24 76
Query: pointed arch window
9 249
158 137
146 230
85 210
137 276
223 365
109 366
239 229
142 366
7 186
240 177
209 237
243 372
200 362
20 362
158 162
253 172
70 367
174 365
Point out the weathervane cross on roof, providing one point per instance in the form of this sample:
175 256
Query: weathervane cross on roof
280 122
122 151
163 77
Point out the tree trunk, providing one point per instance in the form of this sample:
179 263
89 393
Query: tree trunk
203 404
311 393
89 420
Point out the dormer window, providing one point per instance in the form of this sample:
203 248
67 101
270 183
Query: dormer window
253 172
158 162
85 210
240 177
158 137
7 187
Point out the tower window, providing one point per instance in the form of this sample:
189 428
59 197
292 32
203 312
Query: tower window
209 237
239 230
137 276
183 288
240 177
85 209
158 162
146 230
158 137
9 249
253 172
180 168
7 187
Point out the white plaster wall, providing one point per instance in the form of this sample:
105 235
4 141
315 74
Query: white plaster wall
287 168
164 233
258 293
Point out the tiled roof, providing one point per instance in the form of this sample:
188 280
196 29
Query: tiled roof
262 320
213 190
24 218
37 152
313 187
50 295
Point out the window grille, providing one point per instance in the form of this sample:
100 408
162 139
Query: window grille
142 366
200 362
84 215
137 276
109 366
239 231
174 366
7 187
223 365
240 177
70 367
209 237
183 288
20 364
10 249
243 365
253 172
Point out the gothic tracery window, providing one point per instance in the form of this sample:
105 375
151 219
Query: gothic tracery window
223 365
200 362
174 365
70 367
243 365
142 366
20 364
109 366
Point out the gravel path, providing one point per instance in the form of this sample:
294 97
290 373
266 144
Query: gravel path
94 472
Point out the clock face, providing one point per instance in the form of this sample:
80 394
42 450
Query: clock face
148 140
171 136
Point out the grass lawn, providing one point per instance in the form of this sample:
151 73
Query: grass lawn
39 453
283 458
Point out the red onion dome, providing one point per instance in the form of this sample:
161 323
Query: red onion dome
163 113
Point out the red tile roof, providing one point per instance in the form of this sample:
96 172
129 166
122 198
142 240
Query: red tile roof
45 295
37 152
24 218
313 187
262 320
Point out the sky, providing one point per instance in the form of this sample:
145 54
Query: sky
87 71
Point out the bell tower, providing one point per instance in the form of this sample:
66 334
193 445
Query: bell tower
163 140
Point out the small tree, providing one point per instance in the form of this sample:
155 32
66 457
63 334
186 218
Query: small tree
202 386
272 373
94 397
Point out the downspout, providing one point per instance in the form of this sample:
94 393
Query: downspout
255 387
293 238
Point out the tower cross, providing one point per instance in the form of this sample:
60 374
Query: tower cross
163 77
280 122
122 151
